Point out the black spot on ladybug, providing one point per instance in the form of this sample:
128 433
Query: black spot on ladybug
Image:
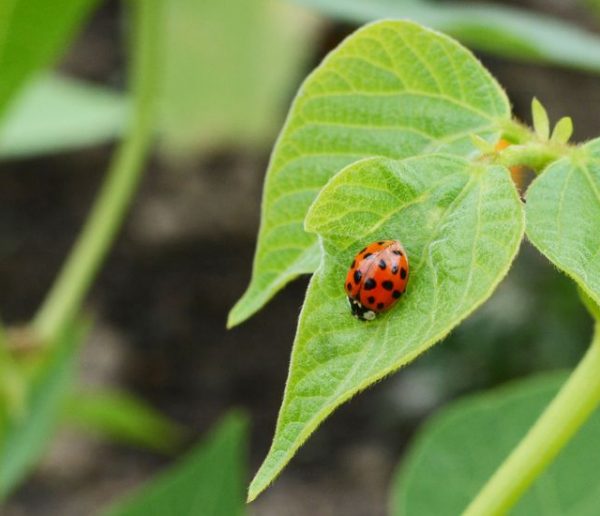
366 255
394 269
380 306
395 251
403 273
357 277
388 285
353 264
396 294
380 243
371 300
381 264
349 286
370 284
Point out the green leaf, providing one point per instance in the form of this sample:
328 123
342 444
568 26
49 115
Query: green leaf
392 89
496 29
459 449
229 68
25 439
33 33
56 114
122 417
208 481
562 130
563 216
461 224
541 124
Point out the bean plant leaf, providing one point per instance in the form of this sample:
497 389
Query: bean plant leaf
25 438
459 450
563 216
207 481
461 223
490 27
55 113
32 34
393 89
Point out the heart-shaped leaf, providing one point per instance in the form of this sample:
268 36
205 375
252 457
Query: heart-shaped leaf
393 89
461 224
563 216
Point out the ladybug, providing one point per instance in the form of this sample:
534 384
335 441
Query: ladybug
377 278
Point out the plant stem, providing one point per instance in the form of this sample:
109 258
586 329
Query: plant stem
569 410
64 299
536 156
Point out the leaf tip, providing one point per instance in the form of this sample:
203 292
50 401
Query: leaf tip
240 311
255 488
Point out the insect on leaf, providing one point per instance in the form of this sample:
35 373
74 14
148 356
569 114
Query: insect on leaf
461 224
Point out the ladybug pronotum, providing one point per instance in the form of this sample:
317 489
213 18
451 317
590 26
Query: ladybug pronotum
377 278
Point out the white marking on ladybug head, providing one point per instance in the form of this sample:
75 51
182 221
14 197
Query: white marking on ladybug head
369 315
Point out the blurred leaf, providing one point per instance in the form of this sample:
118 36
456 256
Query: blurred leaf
392 89
122 417
13 385
208 481
461 224
563 216
497 29
459 449
33 33
25 439
230 67
55 114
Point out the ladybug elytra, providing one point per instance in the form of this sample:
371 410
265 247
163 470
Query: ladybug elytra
377 278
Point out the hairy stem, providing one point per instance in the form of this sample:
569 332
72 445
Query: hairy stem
536 156
569 410
78 273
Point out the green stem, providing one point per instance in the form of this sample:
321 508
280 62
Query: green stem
78 273
534 155
575 402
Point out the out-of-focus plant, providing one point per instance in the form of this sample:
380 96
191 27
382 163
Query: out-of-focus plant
200 74
460 447
498 29
54 113
229 70
37 359
208 480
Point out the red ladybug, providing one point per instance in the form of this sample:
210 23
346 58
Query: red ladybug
377 278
